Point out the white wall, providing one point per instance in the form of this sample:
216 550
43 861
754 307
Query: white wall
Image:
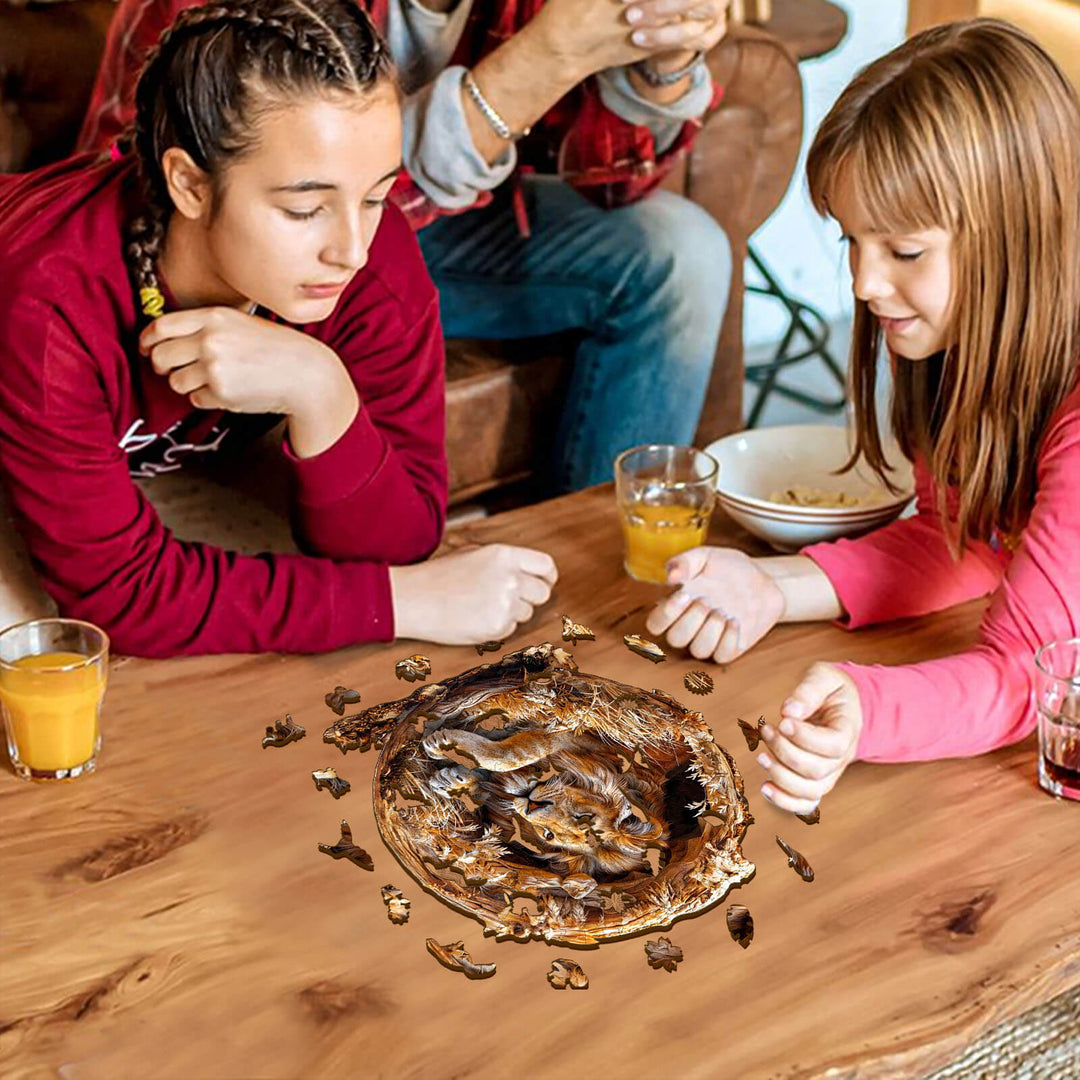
803 251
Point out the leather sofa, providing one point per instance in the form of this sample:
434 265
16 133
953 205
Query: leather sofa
502 398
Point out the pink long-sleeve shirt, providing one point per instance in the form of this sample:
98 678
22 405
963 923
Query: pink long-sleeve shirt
81 412
977 700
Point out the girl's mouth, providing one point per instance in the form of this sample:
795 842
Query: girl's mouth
896 326
323 292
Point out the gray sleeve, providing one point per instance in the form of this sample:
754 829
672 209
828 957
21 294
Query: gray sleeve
438 148
664 121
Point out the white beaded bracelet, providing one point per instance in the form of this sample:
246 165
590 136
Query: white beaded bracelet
498 124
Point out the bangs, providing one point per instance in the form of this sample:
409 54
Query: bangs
895 168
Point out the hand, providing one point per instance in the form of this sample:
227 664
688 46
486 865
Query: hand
820 724
221 358
674 30
471 596
585 36
725 604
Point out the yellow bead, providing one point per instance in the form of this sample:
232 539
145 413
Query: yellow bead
152 301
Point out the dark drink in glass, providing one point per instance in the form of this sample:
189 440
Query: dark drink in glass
1057 698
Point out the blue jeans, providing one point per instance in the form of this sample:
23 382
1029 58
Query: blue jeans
647 284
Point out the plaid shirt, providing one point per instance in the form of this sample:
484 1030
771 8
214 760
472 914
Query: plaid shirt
607 159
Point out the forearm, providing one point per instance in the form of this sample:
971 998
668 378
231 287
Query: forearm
808 593
323 412
521 80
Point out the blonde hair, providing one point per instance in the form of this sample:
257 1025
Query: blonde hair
971 128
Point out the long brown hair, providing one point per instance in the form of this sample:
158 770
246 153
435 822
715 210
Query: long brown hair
202 88
971 128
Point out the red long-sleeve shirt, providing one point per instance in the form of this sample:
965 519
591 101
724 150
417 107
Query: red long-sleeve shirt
81 412
979 699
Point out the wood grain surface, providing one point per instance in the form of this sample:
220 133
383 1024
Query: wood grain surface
171 917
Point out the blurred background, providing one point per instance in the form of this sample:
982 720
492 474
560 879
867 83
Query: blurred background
802 250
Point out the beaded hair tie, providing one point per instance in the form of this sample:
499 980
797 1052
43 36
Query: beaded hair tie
152 301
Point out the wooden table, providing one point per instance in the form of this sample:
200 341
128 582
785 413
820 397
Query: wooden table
170 916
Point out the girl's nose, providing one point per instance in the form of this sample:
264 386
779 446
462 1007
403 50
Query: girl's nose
350 246
870 281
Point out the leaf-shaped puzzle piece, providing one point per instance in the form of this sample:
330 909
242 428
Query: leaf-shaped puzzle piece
413 667
740 924
346 849
488 646
649 649
397 907
796 861
565 973
575 632
327 778
339 697
454 957
698 682
812 818
663 954
752 734
282 732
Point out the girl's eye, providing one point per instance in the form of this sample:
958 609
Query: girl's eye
907 256
374 204
301 215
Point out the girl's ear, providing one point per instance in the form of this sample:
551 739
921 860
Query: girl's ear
189 187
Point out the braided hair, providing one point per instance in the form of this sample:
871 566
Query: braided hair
199 91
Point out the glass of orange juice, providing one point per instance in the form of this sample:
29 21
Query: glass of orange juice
666 495
52 680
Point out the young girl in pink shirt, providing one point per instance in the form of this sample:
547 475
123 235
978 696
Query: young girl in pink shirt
239 267
952 166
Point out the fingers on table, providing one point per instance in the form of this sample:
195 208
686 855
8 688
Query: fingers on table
536 590
785 801
707 640
798 777
667 611
539 563
814 738
688 624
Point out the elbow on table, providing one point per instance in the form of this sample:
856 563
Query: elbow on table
394 539
128 632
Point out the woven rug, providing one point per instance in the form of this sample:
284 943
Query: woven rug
1043 1044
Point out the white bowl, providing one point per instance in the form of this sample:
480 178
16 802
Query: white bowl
756 464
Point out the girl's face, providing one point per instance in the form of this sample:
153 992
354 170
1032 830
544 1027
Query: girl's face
904 278
297 215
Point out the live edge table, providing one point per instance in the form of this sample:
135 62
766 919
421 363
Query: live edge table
171 916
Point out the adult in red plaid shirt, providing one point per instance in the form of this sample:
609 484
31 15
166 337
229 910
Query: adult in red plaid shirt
551 122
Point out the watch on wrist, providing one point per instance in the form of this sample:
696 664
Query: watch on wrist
666 78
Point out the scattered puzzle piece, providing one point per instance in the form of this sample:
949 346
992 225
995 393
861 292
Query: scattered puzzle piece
346 849
413 667
698 682
397 907
575 632
649 649
565 973
327 778
339 697
282 732
663 954
796 861
740 924
454 957
751 733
